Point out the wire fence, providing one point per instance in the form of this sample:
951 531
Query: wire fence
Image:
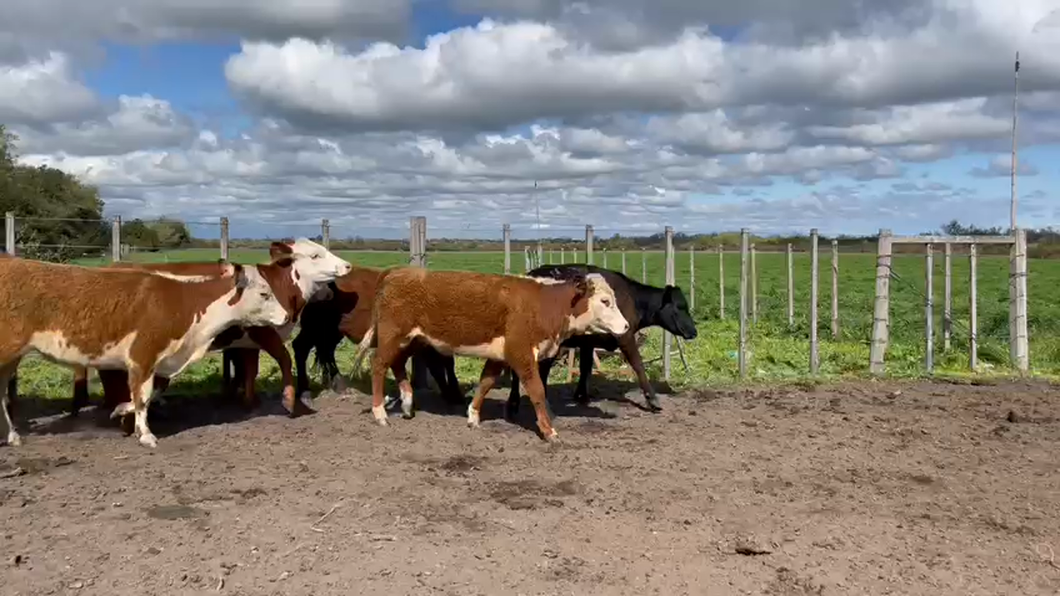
782 333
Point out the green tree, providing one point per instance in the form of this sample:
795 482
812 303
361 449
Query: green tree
57 217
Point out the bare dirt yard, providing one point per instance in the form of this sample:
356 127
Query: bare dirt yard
867 488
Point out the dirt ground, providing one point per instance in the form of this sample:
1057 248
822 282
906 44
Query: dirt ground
869 488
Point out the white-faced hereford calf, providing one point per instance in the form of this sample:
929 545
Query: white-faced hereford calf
298 270
137 321
507 320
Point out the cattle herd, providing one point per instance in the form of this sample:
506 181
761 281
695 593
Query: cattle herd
139 325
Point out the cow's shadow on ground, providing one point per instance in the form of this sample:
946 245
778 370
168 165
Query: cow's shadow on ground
184 406
607 397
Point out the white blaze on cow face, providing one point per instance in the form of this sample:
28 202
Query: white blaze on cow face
315 265
603 315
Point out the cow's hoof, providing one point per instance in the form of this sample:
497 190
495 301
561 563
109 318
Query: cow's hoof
654 405
13 439
379 412
552 437
338 385
582 399
473 416
148 440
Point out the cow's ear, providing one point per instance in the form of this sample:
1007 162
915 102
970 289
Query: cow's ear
581 290
285 261
227 269
668 294
241 277
279 250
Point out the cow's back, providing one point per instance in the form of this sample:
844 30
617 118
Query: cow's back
464 308
88 305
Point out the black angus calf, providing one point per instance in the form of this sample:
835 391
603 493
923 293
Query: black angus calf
642 305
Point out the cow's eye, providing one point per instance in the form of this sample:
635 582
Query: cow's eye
606 302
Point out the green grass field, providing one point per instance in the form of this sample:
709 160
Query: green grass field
777 351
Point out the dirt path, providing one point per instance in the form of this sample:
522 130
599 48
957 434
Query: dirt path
852 489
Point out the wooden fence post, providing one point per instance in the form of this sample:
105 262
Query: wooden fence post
224 239
115 239
588 244
418 258
623 261
835 289
973 307
814 272
325 233
754 288
9 233
668 234
506 231
605 257
721 282
562 255
882 305
643 266
540 252
947 295
1018 344
929 308
791 286
742 351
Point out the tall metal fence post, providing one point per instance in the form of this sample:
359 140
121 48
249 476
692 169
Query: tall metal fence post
9 233
815 353
742 350
692 277
791 287
325 233
668 232
115 239
224 239
929 308
506 230
588 244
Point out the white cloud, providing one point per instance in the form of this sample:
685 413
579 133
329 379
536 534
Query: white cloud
43 91
497 74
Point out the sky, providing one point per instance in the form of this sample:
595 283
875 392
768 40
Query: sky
630 115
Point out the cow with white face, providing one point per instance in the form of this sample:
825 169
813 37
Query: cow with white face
307 269
314 267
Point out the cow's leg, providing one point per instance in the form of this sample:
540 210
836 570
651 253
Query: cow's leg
227 363
439 368
303 344
628 344
387 351
141 387
398 368
7 395
491 370
585 370
272 343
511 407
251 360
529 373
80 398
115 384
544 369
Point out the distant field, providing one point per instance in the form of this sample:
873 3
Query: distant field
776 351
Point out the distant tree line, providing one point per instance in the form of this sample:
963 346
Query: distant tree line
59 218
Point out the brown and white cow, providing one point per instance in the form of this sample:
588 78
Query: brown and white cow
138 321
348 313
312 267
508 320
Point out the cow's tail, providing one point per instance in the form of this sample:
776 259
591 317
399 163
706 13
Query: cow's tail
362 348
